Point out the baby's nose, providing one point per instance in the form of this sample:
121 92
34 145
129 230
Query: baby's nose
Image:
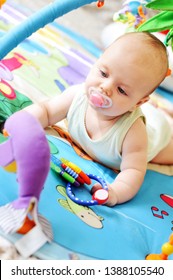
107 87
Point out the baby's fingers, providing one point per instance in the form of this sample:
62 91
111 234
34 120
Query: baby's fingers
96 187
99 194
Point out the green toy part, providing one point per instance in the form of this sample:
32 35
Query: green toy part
169 37
161 5
2 138
10 106
159 22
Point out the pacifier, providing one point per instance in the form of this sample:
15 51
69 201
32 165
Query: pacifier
98 99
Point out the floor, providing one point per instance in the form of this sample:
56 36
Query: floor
93 19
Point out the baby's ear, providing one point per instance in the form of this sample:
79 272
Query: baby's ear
143 100
140 102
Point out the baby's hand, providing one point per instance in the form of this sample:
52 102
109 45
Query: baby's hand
112 196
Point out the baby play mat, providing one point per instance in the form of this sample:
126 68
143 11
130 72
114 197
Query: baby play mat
42 66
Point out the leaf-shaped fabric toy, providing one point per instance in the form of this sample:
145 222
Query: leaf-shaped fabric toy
161 21
161 5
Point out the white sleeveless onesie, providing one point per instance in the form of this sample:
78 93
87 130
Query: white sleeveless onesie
107 149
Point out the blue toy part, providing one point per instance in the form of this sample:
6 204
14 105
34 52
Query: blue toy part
38 20
97 200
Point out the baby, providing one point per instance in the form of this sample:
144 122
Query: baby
107 116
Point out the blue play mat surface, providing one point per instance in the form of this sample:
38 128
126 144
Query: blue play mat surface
42 67
128 231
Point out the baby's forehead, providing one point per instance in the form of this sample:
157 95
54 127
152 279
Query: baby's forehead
131 52
134 43
141 46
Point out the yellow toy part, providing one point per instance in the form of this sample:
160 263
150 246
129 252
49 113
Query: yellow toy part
12 167
167 250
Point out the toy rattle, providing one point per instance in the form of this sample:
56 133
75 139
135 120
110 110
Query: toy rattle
75 176
99 197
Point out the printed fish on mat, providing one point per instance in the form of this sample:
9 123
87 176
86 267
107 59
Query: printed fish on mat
86 214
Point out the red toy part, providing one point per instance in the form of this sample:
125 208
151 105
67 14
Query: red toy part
100 3
85 177
77 169
164 32
101 196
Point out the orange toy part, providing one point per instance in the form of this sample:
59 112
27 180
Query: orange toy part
2 2
171 239
167 249
140 11
168 72
156 257
27 226
100 4
5 133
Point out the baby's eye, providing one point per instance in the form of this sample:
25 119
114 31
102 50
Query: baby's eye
121 91
103 74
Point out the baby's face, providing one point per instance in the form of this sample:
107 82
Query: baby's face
126 74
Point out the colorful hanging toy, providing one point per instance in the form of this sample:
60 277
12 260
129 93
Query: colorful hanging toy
133 13
21 153
76 177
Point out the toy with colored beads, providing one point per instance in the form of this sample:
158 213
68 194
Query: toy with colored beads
73 167
76 177
167 250
99 197
73 173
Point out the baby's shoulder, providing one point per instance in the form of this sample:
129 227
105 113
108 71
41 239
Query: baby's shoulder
137 132
138 127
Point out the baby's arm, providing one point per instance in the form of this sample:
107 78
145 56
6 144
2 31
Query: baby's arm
133 166
53 110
